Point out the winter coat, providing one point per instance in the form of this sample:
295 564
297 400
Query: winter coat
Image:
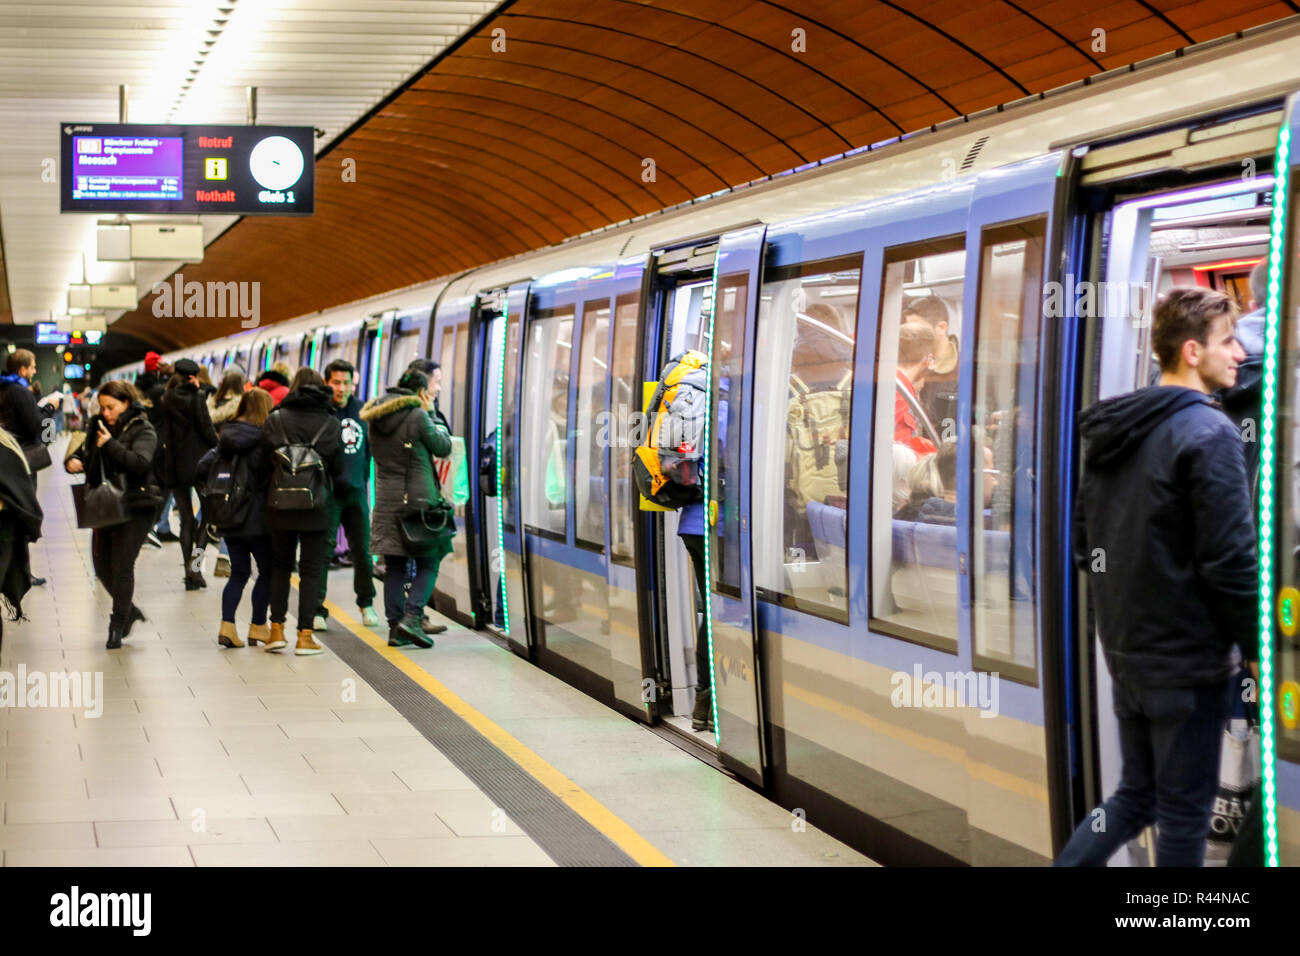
274 383
19 413
21 511
302 413
404 442
1165 533
356 450
1243 402
220 414
130 452
242 439
187 433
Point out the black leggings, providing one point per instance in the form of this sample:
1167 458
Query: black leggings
113 552
311 565
192 539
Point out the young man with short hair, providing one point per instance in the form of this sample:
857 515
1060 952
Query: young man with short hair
1165 533
916 345
351 493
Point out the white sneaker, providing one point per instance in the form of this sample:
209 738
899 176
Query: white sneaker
321 623
369 618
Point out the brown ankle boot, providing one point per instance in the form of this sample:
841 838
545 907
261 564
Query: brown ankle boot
258 634
228 636
307 643
275 640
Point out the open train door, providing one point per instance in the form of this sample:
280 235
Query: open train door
733 647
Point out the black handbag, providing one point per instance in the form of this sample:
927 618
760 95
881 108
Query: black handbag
422 528
102 506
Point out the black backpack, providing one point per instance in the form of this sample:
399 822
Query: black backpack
299 481
227 495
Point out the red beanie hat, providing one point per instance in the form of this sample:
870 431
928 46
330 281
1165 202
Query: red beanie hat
151 360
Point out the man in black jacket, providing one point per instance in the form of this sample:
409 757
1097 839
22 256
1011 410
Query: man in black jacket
351 493
187 434
20 414
1164 530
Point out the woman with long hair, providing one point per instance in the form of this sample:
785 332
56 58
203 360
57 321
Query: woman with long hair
120 444
223 405
241 438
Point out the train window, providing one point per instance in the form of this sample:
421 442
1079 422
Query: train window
624 408
447 359
508 409
1286 548
728 363
1003 445
914 485
402 349
593 429
803 387
544 421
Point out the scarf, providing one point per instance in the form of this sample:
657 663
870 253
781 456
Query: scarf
13 378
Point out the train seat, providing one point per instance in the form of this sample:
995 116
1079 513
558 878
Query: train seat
829 532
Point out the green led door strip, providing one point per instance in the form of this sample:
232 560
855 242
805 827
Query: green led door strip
374 393
709 301
500 562
1272 332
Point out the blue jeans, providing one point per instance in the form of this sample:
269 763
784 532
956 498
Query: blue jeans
164 525
243 551
397 601
1169 742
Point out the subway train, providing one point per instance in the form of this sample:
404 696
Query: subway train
929 692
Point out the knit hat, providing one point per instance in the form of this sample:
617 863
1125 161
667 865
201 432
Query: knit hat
151 360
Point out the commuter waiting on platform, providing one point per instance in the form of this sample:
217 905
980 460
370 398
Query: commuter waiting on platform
411 521
119 447
304 460
352 493
223 405
21 414
20 524
240 447
1165 533
433 372
187 434
275 381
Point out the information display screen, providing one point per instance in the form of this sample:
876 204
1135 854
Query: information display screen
245 170
47 333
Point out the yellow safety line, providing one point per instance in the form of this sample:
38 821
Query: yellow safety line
573 796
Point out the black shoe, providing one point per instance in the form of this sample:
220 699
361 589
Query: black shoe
152 540
135 615
37 582
432 628
167 536
702 715
396 637
194 582
115 636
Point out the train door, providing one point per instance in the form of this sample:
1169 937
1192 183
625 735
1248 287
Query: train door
677 318
1187 206
503 563
734 661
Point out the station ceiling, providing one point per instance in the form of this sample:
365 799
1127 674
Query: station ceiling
541 124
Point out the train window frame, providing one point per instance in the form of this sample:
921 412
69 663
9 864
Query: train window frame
620 446
591 309
992 235
770 274
509 442
536 317
720 569
891 255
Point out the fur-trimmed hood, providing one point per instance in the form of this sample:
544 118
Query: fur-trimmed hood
225 411
380 413
271 375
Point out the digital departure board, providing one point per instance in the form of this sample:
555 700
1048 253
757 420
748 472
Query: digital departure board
245 170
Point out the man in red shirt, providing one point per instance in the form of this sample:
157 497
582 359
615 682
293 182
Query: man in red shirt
916 344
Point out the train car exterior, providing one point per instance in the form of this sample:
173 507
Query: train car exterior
927 690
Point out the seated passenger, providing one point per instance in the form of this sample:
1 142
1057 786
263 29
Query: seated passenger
904 461
915 356
931 500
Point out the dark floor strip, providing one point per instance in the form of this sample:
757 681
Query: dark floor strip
565 836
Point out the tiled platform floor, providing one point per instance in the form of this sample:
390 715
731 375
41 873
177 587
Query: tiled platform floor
213 757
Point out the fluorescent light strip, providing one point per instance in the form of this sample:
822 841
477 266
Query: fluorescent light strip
1268 744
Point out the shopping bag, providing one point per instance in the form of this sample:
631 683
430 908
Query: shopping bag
453 473
1239 771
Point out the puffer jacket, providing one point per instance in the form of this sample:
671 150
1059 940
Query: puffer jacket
130 453
274 384
187 433
403 441
243 439
302 413
1164 531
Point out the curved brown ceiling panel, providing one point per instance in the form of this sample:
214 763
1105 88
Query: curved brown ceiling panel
491 153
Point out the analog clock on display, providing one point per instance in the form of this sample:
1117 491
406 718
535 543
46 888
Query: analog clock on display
276 163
